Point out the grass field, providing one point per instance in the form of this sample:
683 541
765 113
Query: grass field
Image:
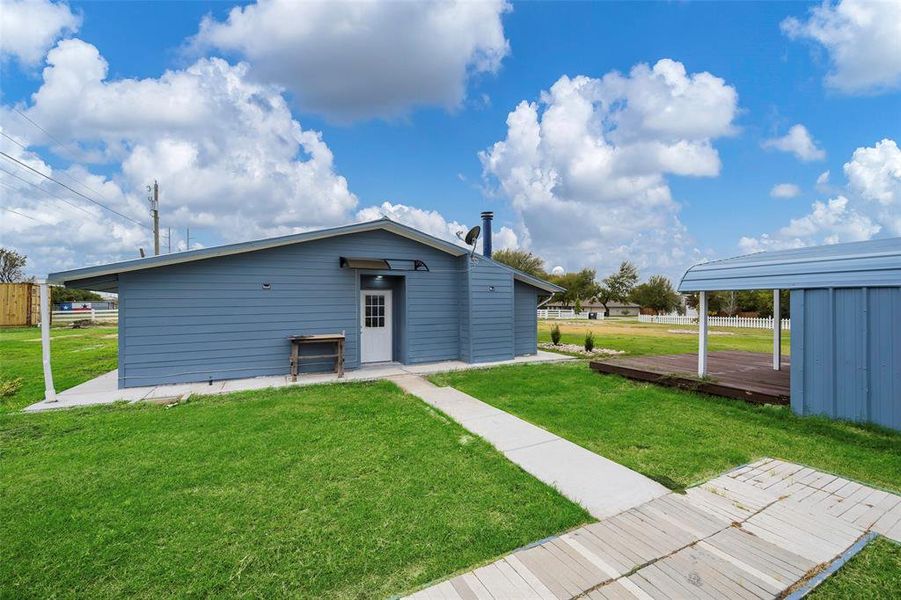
680 438
874 574
77 355
649 338
348 491
676 437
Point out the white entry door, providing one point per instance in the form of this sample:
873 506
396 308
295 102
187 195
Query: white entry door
375 321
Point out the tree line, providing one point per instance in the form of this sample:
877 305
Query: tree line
657 293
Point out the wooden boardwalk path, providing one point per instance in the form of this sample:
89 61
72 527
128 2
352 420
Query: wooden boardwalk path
752 533
747 376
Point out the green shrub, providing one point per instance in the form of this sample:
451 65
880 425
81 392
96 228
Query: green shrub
589 342
555 335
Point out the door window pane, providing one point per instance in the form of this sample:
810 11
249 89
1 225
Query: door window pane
374 310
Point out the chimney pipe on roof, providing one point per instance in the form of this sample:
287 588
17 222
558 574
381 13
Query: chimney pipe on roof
487 216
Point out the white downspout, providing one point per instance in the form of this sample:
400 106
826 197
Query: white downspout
49 390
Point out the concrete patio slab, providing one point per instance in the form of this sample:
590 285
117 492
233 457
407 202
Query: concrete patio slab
600 485
104 389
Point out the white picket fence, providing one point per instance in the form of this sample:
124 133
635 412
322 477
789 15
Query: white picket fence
557 313
742 322
69 316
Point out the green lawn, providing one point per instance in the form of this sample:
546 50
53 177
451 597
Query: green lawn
77 356
676 437
680 438
874 574
647 338
343 491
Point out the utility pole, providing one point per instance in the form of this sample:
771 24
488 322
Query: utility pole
169 238
155 212
188 238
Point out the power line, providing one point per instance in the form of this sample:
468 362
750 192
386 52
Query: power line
73 205
56 181
14 141
15 212
61 143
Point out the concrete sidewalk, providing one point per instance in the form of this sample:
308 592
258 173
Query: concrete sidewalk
602 486
104 389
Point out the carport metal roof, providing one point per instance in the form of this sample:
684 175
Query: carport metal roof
875 263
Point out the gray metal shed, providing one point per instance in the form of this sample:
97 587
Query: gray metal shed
396 293
845 322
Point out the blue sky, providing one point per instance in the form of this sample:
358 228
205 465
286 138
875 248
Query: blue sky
424 154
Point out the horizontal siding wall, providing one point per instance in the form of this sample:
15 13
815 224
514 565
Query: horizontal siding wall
465 314
846 354
525 329
491 314
212 319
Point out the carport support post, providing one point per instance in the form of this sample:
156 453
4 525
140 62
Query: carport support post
49 391
777 333
702 335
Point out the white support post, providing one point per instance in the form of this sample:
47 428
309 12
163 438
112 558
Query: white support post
49 390
777 333
702 335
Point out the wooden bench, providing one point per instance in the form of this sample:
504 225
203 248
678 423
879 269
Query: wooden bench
324 338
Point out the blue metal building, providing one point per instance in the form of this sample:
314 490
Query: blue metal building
845 322
396 293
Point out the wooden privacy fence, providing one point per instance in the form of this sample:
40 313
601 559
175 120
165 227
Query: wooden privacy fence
20 304
60 317
741 322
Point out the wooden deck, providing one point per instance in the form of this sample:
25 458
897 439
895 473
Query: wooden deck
747 376
756 532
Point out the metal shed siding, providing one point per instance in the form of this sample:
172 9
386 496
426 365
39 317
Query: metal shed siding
846 354
211 318
525 315
491 311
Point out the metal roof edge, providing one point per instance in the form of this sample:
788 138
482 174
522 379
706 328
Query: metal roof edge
140 264
716 270
524 277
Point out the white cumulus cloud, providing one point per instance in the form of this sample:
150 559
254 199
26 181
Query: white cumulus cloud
874 174
586 166
799 142
869 205
862 38
434 223
785 190
351 60
232 162
28 28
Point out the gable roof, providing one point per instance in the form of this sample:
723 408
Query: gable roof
103 277
875 263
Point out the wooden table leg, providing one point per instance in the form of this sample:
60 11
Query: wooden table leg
340 358
295 359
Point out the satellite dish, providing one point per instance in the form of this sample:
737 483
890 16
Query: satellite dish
472 236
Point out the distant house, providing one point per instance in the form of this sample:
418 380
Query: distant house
396 293
617 309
